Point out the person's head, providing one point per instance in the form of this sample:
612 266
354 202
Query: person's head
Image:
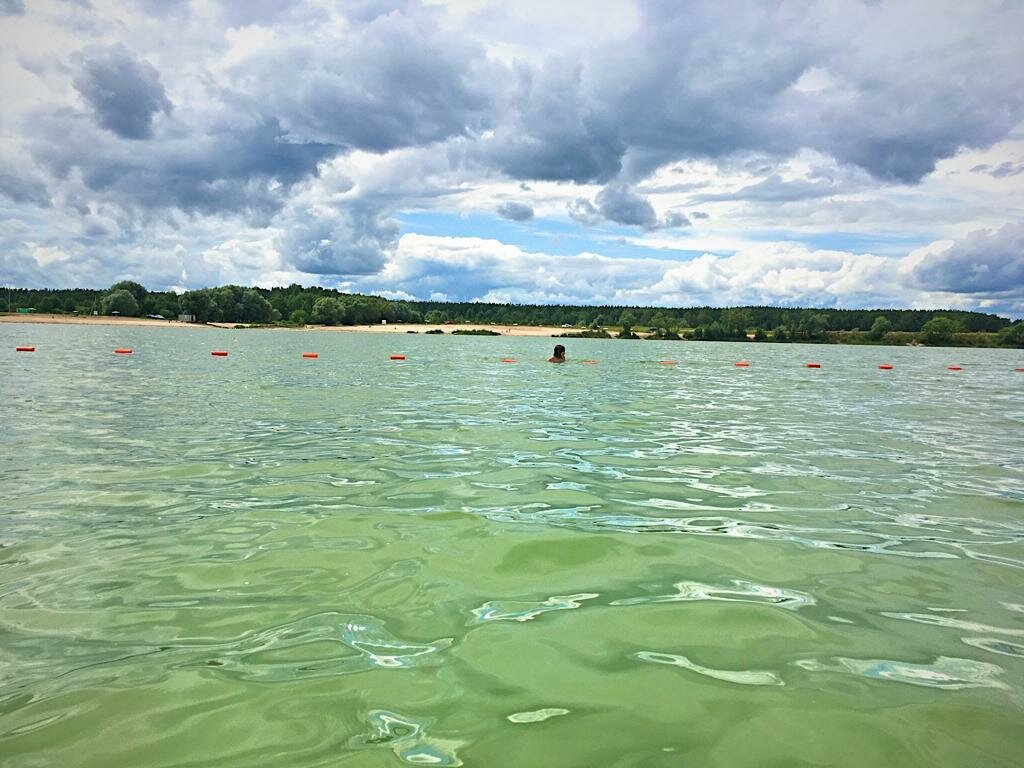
559 350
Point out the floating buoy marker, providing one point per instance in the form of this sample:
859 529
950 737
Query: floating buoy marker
953 368
24 349
508 360
885 367
310 355
812 365
741 364
666 362
219 353
398 357
122 351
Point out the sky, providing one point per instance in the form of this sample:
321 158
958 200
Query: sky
845 153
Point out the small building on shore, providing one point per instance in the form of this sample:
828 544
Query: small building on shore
187 318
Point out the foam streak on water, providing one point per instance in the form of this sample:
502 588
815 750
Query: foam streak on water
352 561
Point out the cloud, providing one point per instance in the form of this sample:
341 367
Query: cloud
984 262
676 219
774 189
310 126
393 82
584 211
347 241
552 130
515 211
477 269
245 168
23 185
1002 170
12 7
622 205
123 91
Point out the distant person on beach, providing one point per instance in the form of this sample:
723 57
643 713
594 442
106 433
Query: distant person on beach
559 356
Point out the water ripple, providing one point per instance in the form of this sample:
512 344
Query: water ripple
740 592
408 739
945 673
521 610
537 715
313 647
739 676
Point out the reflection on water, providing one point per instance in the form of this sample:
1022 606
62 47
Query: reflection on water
264 560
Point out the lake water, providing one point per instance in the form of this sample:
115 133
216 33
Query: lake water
351 561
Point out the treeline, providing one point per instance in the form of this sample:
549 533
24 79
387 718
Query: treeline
297 305
694 317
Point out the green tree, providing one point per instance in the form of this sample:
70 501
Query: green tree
326 311
196 303
137 291
1012 335
122 302
939 330
298 317
879 328
255 308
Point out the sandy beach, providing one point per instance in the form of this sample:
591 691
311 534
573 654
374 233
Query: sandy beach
504 330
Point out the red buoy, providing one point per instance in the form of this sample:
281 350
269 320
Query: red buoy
813 365
508 360
310 355
398 357
885 367
741 364
953 368
666 362
219 353
24 349
122 351
1019 370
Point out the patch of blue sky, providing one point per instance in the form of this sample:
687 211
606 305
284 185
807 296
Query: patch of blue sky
878 243
552 236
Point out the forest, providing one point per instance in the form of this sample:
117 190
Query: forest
296 305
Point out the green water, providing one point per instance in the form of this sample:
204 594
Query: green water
261 560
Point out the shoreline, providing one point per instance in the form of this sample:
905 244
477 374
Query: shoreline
503 330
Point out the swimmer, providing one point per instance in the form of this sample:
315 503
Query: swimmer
559 356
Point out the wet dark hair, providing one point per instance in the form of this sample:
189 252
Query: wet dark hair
559 350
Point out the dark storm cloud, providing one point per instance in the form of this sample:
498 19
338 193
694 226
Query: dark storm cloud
515 211
624 206
710 79
394 82
620 204
243 169
351 241
983 262
552 130
123 91
21 189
